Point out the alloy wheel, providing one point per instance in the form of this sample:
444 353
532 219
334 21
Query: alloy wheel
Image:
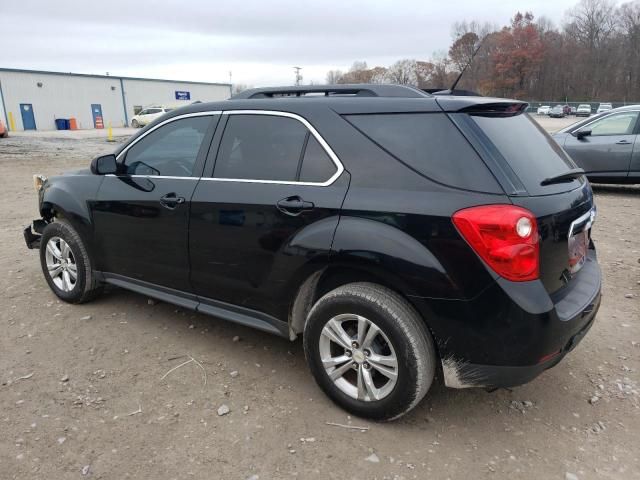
61 264
358 357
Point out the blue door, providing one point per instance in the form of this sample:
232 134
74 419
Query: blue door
96 112
28 120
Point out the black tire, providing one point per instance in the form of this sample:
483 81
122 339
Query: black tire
405 331
135 124
86 287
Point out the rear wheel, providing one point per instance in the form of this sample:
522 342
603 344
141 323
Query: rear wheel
66 264
369 351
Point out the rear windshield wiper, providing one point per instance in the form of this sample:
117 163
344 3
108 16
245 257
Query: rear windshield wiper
563 177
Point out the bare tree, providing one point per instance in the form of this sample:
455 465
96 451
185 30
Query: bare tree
334 76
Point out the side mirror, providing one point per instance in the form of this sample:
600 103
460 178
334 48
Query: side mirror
580 134
104 165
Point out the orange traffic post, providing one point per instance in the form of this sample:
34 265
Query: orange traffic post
73 124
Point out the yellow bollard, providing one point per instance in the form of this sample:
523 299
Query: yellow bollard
109 133
12 123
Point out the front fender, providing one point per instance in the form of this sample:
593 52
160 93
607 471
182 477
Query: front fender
70 197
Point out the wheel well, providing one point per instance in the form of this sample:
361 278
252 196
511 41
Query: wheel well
322 282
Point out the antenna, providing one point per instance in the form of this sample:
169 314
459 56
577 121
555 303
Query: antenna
298 75
455 84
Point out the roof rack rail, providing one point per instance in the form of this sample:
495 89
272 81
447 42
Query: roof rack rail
357 90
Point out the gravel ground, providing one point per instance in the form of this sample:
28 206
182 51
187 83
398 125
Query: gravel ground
83 391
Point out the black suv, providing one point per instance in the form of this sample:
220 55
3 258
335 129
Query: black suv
404 235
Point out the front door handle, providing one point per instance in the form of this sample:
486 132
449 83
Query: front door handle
171 201
294 205
623 142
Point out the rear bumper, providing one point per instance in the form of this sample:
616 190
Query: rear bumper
513 331
32 233
465 375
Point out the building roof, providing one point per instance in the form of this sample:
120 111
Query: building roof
114 77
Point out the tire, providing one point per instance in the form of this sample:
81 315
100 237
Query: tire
403 336
84 287
135 124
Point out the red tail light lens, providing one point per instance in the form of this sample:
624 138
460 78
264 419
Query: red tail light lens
505 237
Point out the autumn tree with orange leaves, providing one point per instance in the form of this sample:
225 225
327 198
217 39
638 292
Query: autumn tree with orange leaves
516 58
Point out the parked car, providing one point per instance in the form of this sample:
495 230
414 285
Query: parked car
604 107
572 110
557 112
566 109
584 110
148 115
606 145
399 233
544 110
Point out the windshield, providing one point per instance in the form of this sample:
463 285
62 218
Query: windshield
530 152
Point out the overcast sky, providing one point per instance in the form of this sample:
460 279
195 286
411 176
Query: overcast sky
259 41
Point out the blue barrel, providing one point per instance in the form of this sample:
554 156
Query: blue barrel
67 124
61 124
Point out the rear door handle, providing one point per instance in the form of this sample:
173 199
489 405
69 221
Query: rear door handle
171 201
294 205
623 142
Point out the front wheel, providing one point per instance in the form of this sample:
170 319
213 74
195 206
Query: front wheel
66 264
135 124
369 351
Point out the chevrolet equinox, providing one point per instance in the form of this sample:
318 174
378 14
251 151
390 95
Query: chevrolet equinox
403 235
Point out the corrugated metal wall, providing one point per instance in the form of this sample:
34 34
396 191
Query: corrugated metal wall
54 95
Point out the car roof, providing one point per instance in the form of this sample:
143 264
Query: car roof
348 99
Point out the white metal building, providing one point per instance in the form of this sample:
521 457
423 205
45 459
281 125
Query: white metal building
33 100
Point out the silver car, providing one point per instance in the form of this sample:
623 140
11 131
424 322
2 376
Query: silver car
606 145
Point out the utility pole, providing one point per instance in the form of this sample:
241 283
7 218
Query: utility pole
298 75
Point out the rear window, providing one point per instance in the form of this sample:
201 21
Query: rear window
430 144
529 150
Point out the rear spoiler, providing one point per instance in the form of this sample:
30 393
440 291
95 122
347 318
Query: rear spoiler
482 106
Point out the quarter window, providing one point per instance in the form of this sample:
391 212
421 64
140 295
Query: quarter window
270 147
317 166
170 150
618 124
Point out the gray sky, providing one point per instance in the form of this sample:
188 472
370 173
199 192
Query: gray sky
259 41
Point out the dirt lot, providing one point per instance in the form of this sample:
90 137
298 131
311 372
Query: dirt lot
82 393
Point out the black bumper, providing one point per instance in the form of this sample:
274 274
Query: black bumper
32 233
500 376
513 331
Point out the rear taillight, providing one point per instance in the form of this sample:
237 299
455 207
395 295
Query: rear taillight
505 237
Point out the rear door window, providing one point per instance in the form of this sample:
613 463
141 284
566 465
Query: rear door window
271 148
529 150
431 145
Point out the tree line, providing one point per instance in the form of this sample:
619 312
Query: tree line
593 55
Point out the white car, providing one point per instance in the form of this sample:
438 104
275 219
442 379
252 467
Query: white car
148 115
583 110
604 107
544 110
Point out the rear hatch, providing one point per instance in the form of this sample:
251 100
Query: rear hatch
539 176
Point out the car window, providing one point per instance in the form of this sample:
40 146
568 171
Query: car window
317 166
618 124
143 112
155 110
170 150
260 147
430 144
